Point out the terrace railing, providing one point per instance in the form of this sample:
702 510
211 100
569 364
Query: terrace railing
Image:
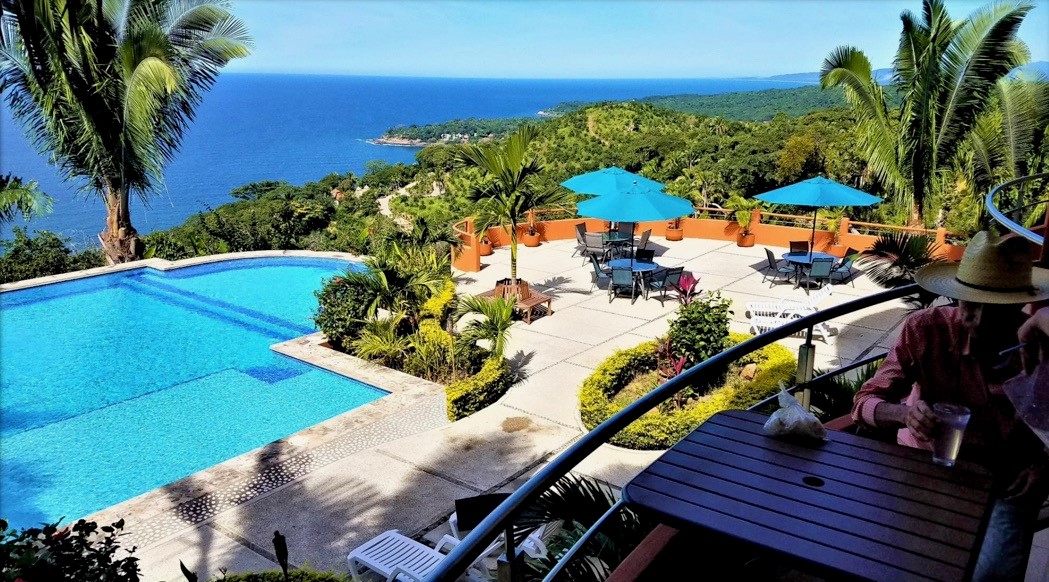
502 519
1026 211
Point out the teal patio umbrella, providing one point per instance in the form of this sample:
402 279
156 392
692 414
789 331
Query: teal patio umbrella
608 181
818 192
635 204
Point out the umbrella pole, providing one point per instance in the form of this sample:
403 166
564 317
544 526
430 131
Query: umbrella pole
812 239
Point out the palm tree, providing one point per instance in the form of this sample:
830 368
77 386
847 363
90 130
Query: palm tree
945 71
381 341
107 88
894 258
397 282
25 198
497 315
506 193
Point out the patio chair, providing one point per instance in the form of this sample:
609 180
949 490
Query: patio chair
625 228
398 557
763 323
844 270
775 269
594 246
642 243
622 279
778 307
668 279
820 271
533 546
645 255
799 246
599 274
580 234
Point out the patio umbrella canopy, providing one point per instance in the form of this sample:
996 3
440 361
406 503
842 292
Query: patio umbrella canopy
636 204
818 192
608 181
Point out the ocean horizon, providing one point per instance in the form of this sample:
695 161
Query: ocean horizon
299 128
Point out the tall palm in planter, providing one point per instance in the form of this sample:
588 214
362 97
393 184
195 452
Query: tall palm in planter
506 194
107 88
946 72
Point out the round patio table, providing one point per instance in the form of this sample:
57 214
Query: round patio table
637 266
616 239
803 260
806 258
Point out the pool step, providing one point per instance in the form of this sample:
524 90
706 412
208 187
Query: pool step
225 312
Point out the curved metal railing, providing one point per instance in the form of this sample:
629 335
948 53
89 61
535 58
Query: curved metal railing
1008 218
502 518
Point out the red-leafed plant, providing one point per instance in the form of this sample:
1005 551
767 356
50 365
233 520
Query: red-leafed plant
687 288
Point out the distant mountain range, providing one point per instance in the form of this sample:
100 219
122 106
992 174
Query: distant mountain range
884 76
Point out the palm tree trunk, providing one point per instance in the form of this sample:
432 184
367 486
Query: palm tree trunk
513 253
120 241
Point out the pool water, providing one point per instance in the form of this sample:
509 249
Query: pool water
117 384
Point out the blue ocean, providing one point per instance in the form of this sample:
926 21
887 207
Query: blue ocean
300 128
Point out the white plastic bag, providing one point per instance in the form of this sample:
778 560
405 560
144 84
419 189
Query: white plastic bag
793 419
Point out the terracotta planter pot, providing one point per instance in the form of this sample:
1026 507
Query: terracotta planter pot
746 240
838 250
530 240
955 252
675 233
484 248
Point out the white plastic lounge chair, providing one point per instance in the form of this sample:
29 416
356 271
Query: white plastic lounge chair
763 323
533 546
398 557
775 308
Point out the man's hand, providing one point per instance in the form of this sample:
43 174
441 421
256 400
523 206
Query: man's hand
1031 485
921 420
1035 333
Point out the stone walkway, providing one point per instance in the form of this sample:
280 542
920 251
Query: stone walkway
411 466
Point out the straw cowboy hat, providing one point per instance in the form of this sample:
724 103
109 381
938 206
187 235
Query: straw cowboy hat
992 270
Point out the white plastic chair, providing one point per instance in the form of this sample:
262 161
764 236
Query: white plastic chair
763 323
776 308
399 557
533 546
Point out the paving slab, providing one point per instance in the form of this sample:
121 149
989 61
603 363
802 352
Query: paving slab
593 357
586 325
485 449
531 351
331 511
205 551
552 394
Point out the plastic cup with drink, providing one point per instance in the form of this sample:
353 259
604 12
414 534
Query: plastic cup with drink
948 438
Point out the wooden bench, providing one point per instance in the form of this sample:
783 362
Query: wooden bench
526 306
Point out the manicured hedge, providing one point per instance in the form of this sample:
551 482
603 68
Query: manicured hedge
469 395
440 305
658 430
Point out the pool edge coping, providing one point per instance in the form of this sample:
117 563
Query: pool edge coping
166 265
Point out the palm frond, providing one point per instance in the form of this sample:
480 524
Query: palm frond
496 318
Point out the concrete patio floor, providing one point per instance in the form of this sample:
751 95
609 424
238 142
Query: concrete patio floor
410 481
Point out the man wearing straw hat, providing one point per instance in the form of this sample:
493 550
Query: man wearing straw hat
950 354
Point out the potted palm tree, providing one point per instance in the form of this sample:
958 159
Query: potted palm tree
674 230
481 226
506 193
531 236
832 224
743 207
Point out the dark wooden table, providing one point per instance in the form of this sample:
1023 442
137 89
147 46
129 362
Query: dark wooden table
851 507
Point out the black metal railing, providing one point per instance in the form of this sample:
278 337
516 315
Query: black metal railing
1012 217
460 558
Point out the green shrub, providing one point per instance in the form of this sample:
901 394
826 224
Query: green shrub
469 395
440 305
342 310
293 576
660 430
79 552
701 327
45 254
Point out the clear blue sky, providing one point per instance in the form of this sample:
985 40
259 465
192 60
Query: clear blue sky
581 38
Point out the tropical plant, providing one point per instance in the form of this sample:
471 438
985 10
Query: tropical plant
400 280
25 257
25 198
381 340
743 209
895 257
578 502
74 553
701 328
506 194
946 72
493 325
107 89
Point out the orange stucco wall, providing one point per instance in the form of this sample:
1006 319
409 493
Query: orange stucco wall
468 257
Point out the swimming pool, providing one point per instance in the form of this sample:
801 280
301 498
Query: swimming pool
117 384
